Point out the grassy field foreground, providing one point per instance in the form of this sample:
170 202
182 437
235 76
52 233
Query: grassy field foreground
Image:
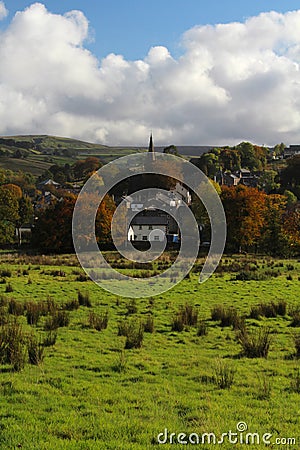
87 391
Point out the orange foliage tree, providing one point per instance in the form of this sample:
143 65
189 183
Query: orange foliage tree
245 210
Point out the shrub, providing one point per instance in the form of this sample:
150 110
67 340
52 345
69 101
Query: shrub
4 317
134 333
131 307
71 305
15 308
295 315
9 288
50 339
224 375
134 338
295 382
186 316
217 312
84 299
82 277
58 273
98 321
149 324
297 345
228 317
33 313
268 310
12 345
189 314
289 277
35 351
255 344
202 329
5 273
247 275
177 323
59 319
264 388
121 363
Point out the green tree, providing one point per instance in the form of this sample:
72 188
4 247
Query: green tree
171 150
267 181
9 214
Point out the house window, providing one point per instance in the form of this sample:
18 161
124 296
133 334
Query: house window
150 227
140 227
156 238
144 238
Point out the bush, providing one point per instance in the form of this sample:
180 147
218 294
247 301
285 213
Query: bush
134 333
15 308
82 277
33 312
131 307
268 310
84 299
202 329
149 324
228 317
98 321
295 315
295 382
264 388
5 273
297 345
9 288
224 375
50 339
12 345
121 363
59 319
186 316
217 312
255 344
71 305
134 338
177 323
35 351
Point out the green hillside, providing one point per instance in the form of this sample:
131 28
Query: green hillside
36 153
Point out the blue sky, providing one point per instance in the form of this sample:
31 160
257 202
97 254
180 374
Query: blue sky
116 69
131 27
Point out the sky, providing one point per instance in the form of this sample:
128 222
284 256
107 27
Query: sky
194 72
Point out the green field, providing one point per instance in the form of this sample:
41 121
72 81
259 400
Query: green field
91 393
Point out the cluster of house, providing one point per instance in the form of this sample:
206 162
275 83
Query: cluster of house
242 176
151 223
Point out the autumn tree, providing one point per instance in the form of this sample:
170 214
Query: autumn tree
273 239
245 210
53 228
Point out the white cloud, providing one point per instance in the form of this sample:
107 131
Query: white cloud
3 11
233 82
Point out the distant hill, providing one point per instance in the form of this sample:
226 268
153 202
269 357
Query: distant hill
36 153
191 150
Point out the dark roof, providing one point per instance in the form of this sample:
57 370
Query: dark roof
149 220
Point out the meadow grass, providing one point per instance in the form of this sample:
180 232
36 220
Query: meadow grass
90 392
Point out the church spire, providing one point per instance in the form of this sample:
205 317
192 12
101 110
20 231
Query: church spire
151 147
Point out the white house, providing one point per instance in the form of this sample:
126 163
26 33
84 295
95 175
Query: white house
148 228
